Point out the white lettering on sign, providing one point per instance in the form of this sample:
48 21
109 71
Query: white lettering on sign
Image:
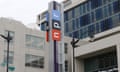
55 15
56 35
56 25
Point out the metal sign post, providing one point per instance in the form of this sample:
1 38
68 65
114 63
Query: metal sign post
55 37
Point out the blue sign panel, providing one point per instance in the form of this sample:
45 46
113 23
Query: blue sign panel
55 15
47 17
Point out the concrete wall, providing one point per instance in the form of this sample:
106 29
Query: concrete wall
97 47
19 47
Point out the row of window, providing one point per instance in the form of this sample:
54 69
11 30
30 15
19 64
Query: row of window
101 63
81 32
89 6
92 29
66 66
30 40
30 60
34 42
11 57
65 48
34 61
99 13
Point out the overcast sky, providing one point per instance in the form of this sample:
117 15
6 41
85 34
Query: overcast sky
23 10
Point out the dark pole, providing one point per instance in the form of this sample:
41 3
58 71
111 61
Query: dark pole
8 38
73 43
73 61
8 41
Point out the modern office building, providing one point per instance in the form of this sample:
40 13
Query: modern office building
83 18
97 24
91 17
27 48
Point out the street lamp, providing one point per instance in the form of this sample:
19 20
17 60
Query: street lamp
8 38
73 43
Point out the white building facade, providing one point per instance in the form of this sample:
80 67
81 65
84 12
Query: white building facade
27 49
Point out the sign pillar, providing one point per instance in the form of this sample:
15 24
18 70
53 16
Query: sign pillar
55 35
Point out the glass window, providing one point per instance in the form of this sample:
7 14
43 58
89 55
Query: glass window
96 3
92 17
110 9
42 27
70 28
116 6
77 23
99 14
104 1
70 35
76 34
66 48
11 57
66 66
115 20
73 13
84 32
107 1
66 16
70 14
34 42
12 34
97 28
66 27
81 33
91 30
106 24
85 20
84 8
106 62
77 13
105 11
81 9
12 42
34 61
119 17
88 5
80 22
73 25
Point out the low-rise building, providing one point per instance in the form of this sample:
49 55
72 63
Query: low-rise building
27 51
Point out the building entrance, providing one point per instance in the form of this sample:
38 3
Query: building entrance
106 62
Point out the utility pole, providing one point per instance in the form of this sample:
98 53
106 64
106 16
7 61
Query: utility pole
8 39
73 43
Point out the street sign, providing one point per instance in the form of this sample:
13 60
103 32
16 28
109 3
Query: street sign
56 35
56 25
56 15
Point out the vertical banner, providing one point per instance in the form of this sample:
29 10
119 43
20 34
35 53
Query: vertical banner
54 35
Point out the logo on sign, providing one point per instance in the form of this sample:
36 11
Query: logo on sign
56 15
56 25
56 35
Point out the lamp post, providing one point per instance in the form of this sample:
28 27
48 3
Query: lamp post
73 43
8 38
